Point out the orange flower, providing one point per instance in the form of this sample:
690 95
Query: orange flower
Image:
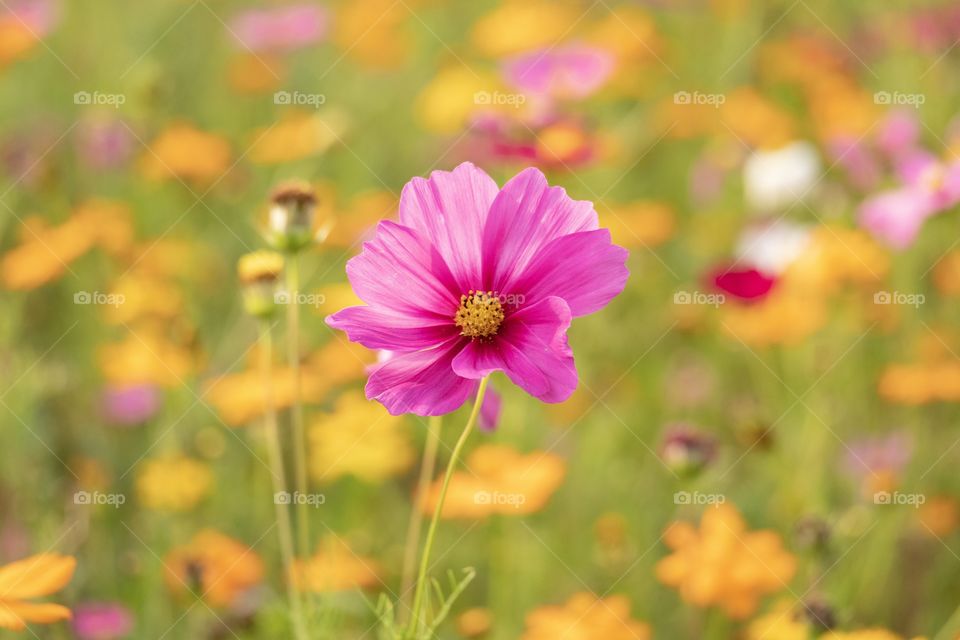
334 567
16 41
500 480
297 135
185 152
644 223
215 566
723 564
34 577
588 617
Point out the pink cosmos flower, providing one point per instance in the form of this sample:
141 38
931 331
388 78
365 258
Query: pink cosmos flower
102 621
571 72
280 29
474 279
897 215
747 285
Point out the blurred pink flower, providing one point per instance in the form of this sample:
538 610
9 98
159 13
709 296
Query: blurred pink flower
280 29
130 405
104 143
39 16
101 621
476 279
896 216
747 285
569 72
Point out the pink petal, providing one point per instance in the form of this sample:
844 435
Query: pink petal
896 216
420 382
525 216
401 272
380 329
531 349
898 133
450 208
490 409
583 268
575 71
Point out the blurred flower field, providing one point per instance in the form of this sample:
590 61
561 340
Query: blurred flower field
504 319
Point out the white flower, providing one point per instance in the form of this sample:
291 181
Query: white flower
771 247
773 180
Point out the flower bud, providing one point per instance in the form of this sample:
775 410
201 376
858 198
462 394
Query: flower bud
687 450
292 212
259 274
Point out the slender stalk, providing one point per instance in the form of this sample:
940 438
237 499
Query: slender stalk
416 518
296 410
415 621
278 474
950 627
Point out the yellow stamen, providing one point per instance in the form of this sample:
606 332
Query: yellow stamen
480 315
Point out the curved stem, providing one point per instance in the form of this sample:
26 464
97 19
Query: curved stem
416 518
278 475
296 410
416 622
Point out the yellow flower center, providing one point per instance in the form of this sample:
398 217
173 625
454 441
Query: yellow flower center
480 315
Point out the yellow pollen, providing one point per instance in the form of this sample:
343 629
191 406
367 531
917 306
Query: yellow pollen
480 315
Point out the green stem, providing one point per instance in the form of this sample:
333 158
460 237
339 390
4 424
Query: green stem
416 623
296 410
416 518
951 627
278 474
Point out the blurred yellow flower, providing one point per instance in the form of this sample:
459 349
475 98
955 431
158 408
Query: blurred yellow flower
723 564
185 152
837 256
782 623
215 567
357 219
939 516
35 577
374 33
15 41
475 622
499 480
297 135
588 617
173 483
518 25
946 275
239 398
360 438
143 296
45 253
447 102
639 224
756 120
920 383
335 567
339 362
783 317
255 74
146 356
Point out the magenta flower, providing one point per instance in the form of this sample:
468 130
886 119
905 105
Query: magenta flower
102 621
747 285
132 405
475 279
280 29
